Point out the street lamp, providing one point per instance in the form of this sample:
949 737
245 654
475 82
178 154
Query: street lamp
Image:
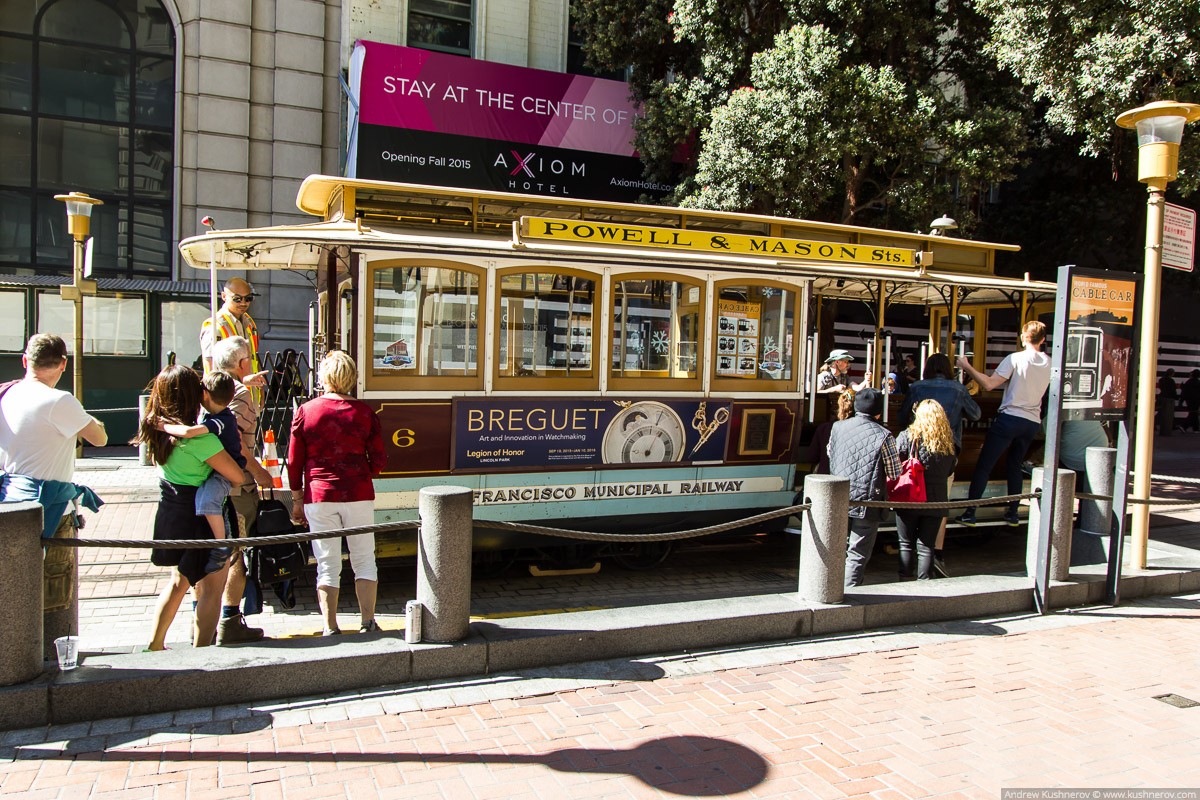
941 225
1159 130
79 219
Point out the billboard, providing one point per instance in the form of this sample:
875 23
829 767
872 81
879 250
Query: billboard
444 120
502 434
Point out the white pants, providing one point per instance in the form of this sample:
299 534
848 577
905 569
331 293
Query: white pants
328 552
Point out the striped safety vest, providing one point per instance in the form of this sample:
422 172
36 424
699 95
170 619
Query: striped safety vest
226 327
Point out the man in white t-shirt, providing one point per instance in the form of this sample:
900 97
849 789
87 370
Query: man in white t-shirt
38 428
1027 375
38 423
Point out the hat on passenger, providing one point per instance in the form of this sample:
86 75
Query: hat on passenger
839 355
869 401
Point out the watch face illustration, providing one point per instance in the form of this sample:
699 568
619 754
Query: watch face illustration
644 433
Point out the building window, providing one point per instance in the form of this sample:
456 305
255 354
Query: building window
87 103
12 311
115 324
443 25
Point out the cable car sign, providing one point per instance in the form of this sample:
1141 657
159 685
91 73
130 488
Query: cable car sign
709 242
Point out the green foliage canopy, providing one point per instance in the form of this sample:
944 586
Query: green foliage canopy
868 111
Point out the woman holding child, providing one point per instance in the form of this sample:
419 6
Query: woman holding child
176 396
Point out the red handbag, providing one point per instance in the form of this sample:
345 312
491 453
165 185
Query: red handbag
909 486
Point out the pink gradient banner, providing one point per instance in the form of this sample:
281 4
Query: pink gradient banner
403 87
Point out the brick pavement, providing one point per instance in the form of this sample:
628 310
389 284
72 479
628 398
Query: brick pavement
952 710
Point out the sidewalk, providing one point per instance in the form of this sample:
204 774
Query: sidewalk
118 588
953 710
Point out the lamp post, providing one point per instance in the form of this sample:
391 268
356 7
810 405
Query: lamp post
1159 130
79 220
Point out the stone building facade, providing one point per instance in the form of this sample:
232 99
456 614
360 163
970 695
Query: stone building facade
173 110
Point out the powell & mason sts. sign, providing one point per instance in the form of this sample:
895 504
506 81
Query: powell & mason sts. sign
708 242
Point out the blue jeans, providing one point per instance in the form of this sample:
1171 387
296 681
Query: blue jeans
210 496
1009 432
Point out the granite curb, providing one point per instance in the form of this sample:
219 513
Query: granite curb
121 685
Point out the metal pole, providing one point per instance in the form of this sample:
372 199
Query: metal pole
887 364
812 375
1143 464
77 279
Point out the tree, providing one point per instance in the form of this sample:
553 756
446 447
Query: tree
864 111
1089 60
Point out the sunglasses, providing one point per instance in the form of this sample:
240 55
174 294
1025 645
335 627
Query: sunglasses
237 298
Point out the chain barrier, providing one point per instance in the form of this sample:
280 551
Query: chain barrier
945 504
1175 479
564 533
238 544
260 541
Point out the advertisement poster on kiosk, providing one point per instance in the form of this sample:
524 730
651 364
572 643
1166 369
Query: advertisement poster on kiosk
1096 381
444 120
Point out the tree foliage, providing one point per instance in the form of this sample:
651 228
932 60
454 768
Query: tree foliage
1089 60
866 111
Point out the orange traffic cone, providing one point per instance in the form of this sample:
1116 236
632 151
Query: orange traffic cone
270 460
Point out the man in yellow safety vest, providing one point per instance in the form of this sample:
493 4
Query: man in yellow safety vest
233 319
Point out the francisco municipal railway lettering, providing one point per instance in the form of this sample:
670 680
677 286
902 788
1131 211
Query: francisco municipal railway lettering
604 491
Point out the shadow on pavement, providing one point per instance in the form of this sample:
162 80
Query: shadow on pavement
693 766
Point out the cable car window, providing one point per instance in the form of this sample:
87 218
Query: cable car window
1073 343
545 324
1091 351
656 327
753 332
425 322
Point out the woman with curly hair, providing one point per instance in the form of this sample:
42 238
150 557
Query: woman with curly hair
931 441
183 465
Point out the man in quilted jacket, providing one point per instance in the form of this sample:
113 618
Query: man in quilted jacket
861 449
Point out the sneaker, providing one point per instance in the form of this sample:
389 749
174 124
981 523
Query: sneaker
234 630
939 568
370 626
1012 520
331 632
967 519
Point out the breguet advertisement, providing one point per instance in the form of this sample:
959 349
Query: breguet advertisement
504 434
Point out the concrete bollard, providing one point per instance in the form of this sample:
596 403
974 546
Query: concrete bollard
823 538
1062 516
20 592
444 563
1089 541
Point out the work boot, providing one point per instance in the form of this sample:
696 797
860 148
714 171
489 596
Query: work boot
234 630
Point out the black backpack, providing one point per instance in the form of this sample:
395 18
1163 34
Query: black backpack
275 563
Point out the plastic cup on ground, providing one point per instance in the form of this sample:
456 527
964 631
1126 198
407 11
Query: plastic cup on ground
68 651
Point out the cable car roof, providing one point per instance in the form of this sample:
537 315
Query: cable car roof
380 216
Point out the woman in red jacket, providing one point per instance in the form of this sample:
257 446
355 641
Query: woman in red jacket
336 448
